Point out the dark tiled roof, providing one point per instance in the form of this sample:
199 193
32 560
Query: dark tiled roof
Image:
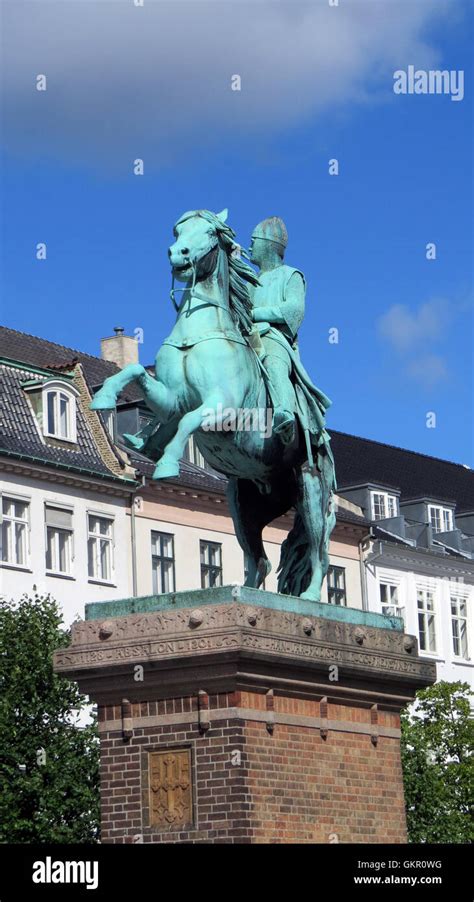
49 355
360 460
19 433
192 476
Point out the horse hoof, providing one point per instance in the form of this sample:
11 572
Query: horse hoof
133 442
311 596
102 402
165 468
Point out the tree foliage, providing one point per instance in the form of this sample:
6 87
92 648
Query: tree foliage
438 764
49 760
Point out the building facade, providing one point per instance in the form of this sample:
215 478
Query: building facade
419 556
83 519
65 489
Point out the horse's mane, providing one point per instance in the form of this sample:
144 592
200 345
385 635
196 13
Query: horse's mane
240 273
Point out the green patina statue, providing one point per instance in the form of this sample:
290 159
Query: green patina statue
231 360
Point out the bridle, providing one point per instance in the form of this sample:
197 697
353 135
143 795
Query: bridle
186 309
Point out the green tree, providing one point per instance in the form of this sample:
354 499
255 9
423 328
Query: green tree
49 772
438 764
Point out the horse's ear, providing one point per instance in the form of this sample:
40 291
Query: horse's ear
223 215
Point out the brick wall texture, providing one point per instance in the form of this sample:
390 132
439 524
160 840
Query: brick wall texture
251 785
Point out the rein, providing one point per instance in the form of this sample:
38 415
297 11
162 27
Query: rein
181 310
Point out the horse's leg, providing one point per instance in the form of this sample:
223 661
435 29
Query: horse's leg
106 397
168 465
248 529
160 399
318 519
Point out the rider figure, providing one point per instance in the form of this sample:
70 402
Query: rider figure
279 300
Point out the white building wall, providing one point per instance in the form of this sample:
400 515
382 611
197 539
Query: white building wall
189 527
71 592
448 666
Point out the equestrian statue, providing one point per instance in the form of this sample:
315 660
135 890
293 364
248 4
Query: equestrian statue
234 348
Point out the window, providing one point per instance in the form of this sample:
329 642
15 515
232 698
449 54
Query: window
389 600
59 412
58 540
99 548
337 585
110 422
441 518
193 454
426 619
384 505
15 524
459 626
211 564
162 562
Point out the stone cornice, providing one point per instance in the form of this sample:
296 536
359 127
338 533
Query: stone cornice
235 645
395 556
109 485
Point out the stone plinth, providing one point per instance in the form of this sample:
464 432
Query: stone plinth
233 715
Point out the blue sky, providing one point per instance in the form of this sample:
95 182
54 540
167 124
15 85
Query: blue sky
125 82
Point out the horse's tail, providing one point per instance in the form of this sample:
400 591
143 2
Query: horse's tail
295 570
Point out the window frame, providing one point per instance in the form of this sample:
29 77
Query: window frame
458 597
193 455
57 388
21 499
442 511
424 613
388 498
69 531
100 515
162 559
389 583
206 567
335 589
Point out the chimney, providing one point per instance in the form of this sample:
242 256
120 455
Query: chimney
120 349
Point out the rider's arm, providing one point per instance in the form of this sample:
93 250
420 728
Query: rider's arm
293 307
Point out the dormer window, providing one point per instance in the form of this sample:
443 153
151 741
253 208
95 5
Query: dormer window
59 411
441 518
384 505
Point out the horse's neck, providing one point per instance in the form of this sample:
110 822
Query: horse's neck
195 316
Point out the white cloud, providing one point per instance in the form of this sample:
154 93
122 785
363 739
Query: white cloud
127 81
414 335
428 370
409 330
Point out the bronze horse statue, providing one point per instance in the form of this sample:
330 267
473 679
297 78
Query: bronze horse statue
207 367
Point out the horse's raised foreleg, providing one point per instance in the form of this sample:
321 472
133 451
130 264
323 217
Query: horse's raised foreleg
106 397
168 465
160 399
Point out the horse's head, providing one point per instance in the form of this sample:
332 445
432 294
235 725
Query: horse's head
197 239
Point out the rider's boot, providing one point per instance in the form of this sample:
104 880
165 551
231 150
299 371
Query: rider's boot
284 425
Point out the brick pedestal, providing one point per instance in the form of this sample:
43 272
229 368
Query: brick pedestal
231 715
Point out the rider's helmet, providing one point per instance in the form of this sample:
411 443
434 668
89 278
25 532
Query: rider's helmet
272 229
